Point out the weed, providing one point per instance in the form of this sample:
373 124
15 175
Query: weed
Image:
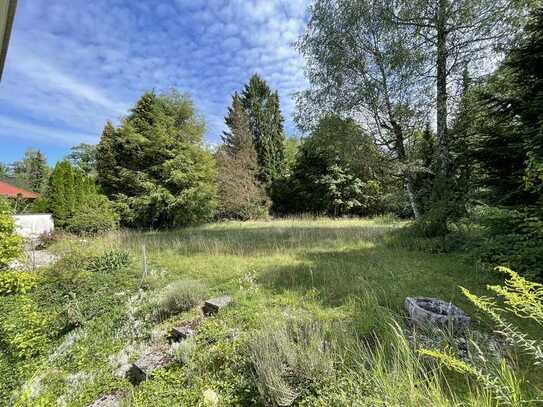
288 357
180 296
109 262
182 351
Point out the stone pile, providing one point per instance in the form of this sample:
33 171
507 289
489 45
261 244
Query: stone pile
159 356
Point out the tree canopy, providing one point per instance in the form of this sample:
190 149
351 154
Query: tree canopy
154 166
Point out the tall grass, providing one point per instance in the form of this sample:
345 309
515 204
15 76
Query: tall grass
338 285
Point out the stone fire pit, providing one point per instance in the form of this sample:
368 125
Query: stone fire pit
435 313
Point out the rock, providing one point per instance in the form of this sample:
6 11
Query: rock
152 359
214 305
180 333
435 313
109 400
33 259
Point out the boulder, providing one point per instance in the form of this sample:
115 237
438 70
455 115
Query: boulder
214 305
152 359
180 333
428 313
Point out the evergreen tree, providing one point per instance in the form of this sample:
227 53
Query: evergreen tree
510 130
32 171
68 190
57 193
154 166
239 134
266 123
106 164
424 157
241 195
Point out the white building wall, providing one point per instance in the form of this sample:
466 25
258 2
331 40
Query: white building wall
32 226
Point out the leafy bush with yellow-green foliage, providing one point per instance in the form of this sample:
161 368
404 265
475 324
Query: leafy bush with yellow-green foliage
23 329
11 245
17 282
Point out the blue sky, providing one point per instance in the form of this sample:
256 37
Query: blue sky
73 64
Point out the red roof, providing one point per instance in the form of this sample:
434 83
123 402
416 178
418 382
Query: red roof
13 192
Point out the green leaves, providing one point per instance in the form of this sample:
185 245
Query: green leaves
266 124
154 166
11 245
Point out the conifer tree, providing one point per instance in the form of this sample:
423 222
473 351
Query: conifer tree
239 134
67 191
57 192
32 171
241 195
106 164
154 166
266 122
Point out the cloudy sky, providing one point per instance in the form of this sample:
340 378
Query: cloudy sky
73 64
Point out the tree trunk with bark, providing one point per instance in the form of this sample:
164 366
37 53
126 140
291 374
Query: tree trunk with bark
441 62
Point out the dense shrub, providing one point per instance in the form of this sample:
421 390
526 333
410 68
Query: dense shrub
23 329
11 245
17 282
108 262
95 215
513 238
69 273
180 296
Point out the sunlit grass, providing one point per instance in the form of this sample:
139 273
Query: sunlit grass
350 275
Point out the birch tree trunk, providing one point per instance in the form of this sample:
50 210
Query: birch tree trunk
412 197
441 111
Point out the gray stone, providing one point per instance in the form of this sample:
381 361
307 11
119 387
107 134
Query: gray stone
33 259
214 305
151 360
180 333
435 313
109 400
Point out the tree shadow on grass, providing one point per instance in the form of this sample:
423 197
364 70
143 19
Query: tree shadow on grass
390 274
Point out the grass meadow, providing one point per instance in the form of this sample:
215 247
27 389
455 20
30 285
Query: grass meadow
296 283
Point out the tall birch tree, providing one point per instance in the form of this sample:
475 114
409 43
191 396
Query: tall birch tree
359 64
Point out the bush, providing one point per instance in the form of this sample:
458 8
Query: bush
47 239
94 216
288 359
182 351
180 296
69 273
23 328
513 238
11 245
16 282
109 262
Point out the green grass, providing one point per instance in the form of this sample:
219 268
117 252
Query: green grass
350 275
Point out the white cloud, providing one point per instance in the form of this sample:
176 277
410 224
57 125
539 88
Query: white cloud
80 63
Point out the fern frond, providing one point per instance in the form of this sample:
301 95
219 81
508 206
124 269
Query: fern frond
523 341
523 298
